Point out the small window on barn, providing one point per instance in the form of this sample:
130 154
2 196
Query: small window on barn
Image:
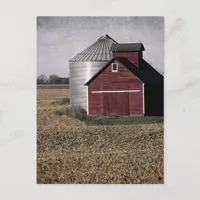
114 67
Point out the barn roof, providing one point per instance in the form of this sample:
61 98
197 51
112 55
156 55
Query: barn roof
98 51
128 47
146 73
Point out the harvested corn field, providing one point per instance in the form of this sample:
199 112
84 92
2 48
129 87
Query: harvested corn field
69 151
52 94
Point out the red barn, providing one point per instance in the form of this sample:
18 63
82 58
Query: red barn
126 85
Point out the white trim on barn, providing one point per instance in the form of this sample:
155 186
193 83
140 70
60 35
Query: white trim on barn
143 98
87 101
115 70
116 91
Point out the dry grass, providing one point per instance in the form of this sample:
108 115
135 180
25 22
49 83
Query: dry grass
69 151
52 94
73 111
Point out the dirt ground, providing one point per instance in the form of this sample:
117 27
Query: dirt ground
69 151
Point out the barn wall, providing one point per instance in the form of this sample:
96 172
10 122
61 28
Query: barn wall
95 101
113 81
154 100
132 56
136 102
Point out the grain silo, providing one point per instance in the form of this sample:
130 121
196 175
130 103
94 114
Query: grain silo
84 65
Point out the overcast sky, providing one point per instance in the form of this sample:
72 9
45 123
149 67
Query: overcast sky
60 38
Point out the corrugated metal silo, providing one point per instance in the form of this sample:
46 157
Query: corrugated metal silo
84 65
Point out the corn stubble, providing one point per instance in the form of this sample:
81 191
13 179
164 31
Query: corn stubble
69 151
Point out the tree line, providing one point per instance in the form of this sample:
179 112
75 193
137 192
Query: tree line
52 79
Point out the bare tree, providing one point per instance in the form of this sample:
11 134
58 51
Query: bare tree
42 79
54 79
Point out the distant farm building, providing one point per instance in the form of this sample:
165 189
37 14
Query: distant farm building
124 85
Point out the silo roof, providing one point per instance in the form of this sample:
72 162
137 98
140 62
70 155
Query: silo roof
98 51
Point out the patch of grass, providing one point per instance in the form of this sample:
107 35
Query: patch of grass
74 111
122 120
64 101
59 112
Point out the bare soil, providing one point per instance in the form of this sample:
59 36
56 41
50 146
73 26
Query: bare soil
69 151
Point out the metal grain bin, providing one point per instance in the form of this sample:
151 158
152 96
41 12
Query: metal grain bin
84 65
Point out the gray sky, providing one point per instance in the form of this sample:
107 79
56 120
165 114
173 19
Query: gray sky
60 38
